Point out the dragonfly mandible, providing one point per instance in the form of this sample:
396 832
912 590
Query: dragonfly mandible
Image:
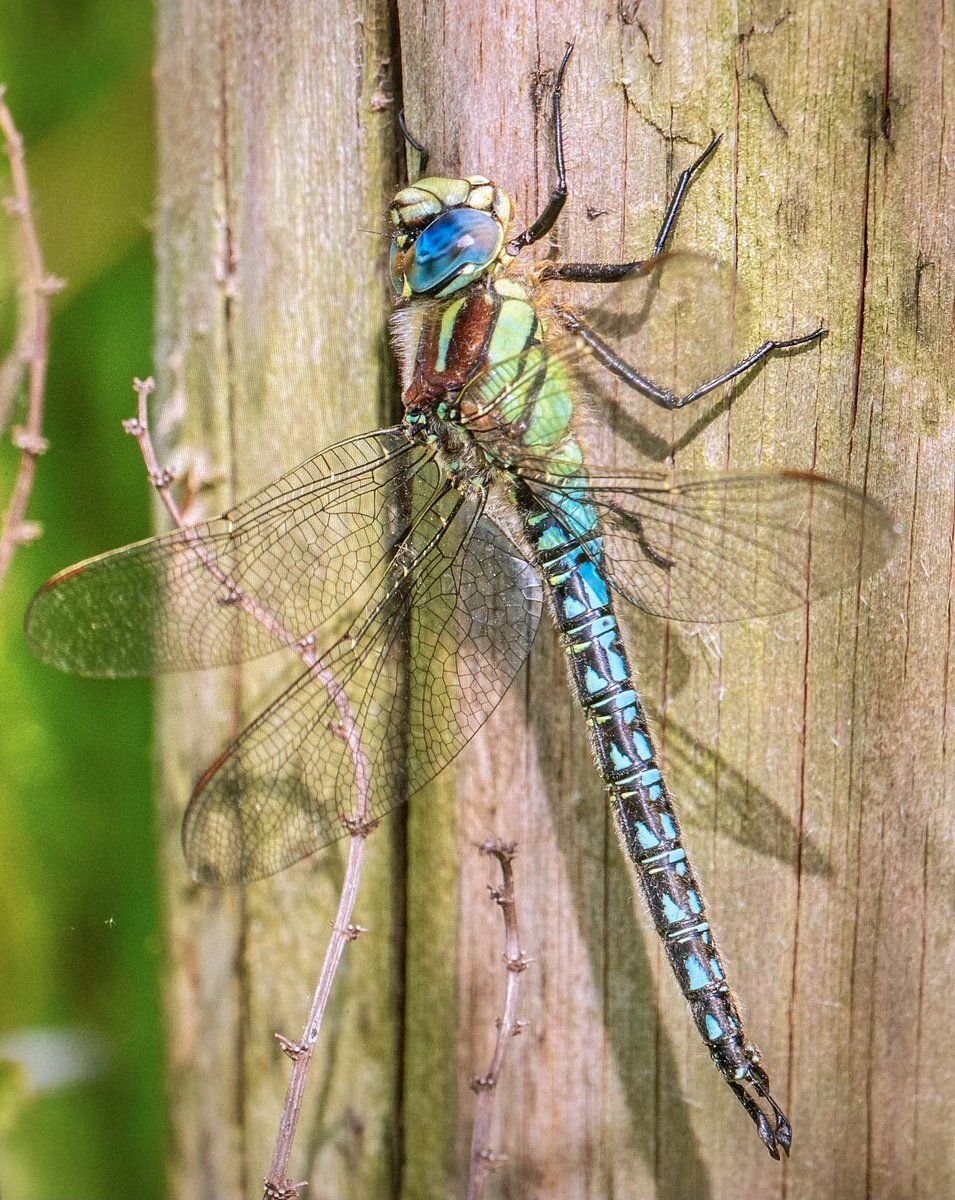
416 561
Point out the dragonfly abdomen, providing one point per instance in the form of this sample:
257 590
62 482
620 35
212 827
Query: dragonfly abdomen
581 599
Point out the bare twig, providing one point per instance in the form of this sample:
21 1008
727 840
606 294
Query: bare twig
30 349
277 1186
483 1160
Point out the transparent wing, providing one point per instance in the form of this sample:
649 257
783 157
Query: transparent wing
299 558
726 547
704 547
682 322
380 715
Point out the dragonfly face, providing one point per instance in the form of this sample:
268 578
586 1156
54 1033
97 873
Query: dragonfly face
448 233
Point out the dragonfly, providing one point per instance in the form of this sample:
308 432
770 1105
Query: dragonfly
414 564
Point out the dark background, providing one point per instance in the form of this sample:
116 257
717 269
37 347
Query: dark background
81 1089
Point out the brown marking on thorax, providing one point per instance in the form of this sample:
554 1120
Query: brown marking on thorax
472 329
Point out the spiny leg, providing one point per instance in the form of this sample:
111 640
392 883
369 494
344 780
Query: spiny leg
424 154
551 210
679 195
614 272
618 366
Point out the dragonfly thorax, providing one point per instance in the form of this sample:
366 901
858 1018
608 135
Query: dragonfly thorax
447 234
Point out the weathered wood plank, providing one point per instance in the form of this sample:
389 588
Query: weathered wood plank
811 754
276 149
815 793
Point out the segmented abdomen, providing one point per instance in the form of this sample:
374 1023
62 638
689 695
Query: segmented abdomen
583 609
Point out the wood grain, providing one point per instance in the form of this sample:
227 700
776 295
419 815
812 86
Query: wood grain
810 754
277 148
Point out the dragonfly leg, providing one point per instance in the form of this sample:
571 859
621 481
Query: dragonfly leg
424 154
614 272
593 272
552 209
679 195
618 366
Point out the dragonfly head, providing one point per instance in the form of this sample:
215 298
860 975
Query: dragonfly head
447 233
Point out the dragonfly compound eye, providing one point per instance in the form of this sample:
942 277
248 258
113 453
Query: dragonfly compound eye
449 253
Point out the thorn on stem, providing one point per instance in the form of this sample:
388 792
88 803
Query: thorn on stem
505 851
51 285
294 1050
502 896
286 1190
27 532
30 443
357 828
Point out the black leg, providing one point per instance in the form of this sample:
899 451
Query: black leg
662 396
593 272
679 195
423 152
614 272
545 222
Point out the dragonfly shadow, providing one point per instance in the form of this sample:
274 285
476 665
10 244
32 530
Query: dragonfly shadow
743 811
746 813
639 434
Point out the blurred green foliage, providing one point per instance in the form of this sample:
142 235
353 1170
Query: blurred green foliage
81 1089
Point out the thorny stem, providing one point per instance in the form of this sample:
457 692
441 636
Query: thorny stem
30 349
483 1160
276 1185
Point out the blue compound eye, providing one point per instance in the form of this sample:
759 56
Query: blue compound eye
454 249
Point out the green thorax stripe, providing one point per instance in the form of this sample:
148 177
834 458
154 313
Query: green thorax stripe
494 337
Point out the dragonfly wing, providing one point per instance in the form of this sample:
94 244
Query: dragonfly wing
380 716
681 322
706 547
299 558
727 547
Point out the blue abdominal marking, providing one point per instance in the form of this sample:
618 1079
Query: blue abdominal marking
621 741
